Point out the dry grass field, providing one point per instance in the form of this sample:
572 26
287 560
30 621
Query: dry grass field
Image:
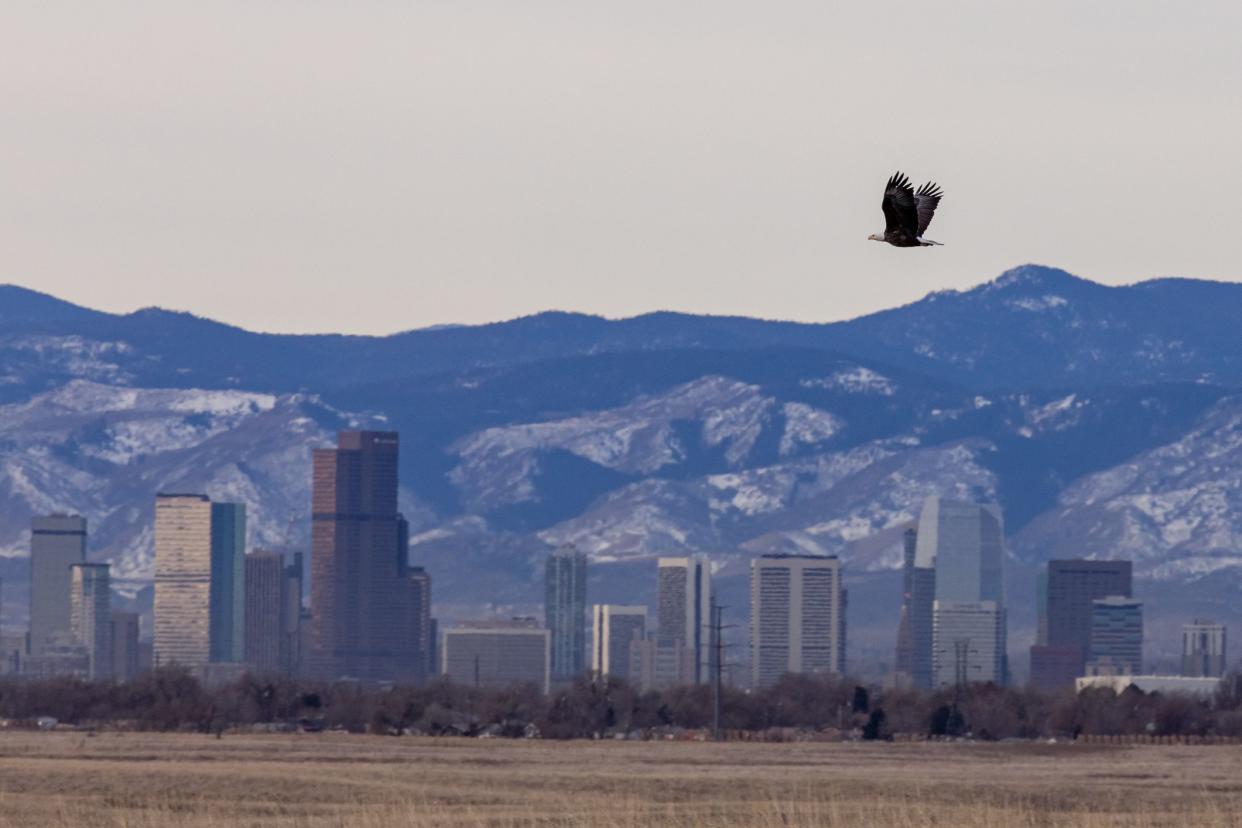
314 781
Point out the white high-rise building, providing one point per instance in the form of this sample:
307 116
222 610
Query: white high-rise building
969 642
200 580
684 611
797 616
90 615
615 628
182 611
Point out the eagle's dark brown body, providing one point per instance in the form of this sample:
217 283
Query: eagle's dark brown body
907 213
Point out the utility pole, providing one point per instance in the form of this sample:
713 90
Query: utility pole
716 643
961 676
715 671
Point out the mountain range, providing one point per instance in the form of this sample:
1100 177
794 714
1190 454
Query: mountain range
1106 421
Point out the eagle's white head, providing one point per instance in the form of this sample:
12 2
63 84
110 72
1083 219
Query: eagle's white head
874 237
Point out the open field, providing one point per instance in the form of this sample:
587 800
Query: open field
171 781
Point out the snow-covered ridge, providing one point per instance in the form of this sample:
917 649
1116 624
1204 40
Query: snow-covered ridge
71 354
639 438
1176 510
857 380
1038 303
104 451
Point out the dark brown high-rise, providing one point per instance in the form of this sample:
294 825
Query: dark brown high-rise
362 607
1065 626
265 581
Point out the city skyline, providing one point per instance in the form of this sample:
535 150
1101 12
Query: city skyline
1070 588
444 413
953 555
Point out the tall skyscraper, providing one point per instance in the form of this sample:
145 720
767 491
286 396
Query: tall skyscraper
56 543
683 614
797 616
228 581
435 649
1116 635
615 628
265 611
420 586
1069 586
199 580
182 579
970 642
963 544
124 645
565 611
90 615
1203 649
498 654
914 628
362 609
291 618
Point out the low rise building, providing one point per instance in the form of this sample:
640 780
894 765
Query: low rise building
498 654
1202 686
1203 648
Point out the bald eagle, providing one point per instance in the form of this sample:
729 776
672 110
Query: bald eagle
907 213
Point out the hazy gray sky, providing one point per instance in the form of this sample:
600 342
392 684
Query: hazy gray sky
375 166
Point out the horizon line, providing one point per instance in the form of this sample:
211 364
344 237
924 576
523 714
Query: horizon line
450 326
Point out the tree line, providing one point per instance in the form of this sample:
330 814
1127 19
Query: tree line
171 699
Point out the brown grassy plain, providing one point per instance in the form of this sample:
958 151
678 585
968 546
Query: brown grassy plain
321 780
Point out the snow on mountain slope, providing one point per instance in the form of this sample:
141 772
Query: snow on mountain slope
807 425
496 465
1176 510
105 451
30 359
821 504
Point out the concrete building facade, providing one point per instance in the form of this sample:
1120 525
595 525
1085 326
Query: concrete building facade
683 612
424 629
291 617
90 615
182 611
797 617
56 543
915 625
970 642
1203 649
125 636
660 666
614 629
498 654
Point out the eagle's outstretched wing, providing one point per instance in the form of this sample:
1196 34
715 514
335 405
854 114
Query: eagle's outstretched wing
925 201
900 212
